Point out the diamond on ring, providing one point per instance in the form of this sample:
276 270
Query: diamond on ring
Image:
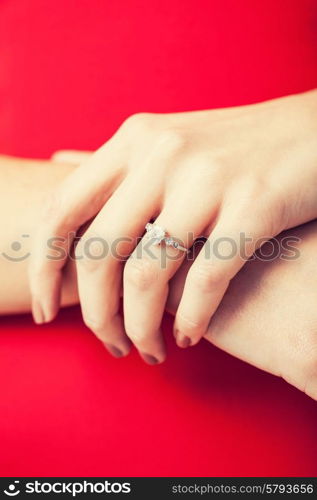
158 234
155 232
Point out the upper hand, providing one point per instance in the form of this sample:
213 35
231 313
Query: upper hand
236 176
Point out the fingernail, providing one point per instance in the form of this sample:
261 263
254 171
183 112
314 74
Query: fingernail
182 340
37 312
113 350
148 358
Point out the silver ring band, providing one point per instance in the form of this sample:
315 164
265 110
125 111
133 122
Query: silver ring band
158 234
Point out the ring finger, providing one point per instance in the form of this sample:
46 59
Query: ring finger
146 276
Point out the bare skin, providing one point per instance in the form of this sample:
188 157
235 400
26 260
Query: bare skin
250 170
268 316
25 184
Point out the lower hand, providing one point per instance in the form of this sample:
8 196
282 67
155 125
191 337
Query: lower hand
268 316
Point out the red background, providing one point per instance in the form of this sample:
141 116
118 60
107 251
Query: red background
70 72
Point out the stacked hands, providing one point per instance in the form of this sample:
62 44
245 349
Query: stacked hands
233 178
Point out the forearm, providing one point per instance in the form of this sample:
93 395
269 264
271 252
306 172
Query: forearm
24 185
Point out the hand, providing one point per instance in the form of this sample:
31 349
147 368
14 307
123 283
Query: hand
268 316
248 171
253 320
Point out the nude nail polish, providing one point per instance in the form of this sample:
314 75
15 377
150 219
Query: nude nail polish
148 358
182 340
113 350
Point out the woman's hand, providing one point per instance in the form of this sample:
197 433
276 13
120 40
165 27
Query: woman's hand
236 176
268 316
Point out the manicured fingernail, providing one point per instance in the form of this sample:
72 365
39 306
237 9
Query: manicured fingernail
37 312
182 340
148 358
113 350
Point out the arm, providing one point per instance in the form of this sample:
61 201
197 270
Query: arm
24 185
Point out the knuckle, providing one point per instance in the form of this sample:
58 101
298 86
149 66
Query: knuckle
254 188
210 167
255 207
206 276
95 248
246 195
173 140
86 263
137 122
189 325
140 273
90 253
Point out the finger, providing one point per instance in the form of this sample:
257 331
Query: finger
81 195
177 283
230 245
146 277
71 156
109 240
